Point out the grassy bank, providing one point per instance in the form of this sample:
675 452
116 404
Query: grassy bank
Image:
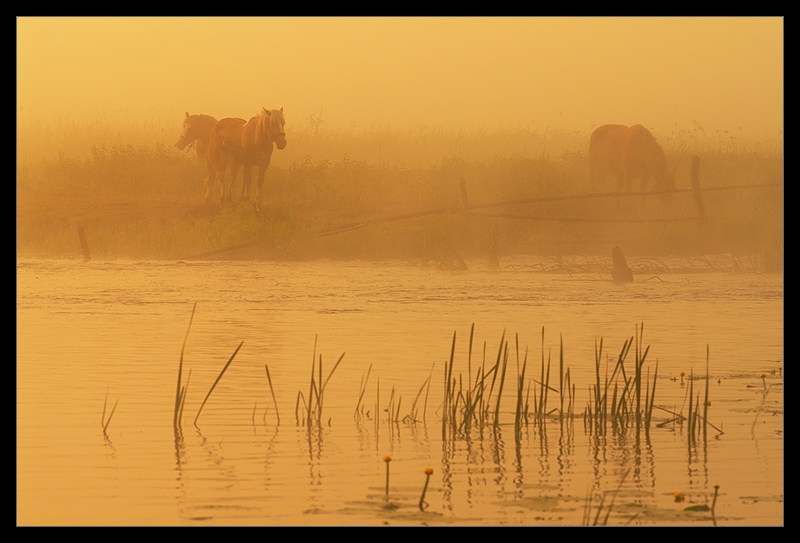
144 200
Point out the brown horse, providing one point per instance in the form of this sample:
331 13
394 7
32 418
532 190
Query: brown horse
224 153
258 135
629 153
196 130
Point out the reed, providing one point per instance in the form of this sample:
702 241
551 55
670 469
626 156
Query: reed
103 422
520 410
544 385
412 415
694 418
180 392
448 392
184 391
224 369
362 388
316 390
392 412
561 376
630 406
706 401
272 391
500 386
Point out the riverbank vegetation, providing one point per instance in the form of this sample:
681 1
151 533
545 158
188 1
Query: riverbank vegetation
137 196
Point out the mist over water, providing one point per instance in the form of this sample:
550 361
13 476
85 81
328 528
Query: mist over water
435 177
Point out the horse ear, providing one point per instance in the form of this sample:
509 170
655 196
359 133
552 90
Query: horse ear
187 114
281 110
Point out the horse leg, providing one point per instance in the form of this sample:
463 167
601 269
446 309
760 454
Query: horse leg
262 170
211 173
234 175
221 178
246 183
207 187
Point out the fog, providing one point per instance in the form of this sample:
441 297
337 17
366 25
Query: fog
454 73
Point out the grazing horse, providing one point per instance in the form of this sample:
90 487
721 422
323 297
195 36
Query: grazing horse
628 153
258 135
196 129
224 153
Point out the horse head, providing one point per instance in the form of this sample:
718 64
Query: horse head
186 137
269 128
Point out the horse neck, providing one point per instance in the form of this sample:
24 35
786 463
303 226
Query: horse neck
263 137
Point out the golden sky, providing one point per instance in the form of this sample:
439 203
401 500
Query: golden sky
564 73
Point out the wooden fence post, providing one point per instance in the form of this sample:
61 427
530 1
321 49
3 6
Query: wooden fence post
694 177
84 244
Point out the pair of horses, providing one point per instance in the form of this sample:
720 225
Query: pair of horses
629 153
231 144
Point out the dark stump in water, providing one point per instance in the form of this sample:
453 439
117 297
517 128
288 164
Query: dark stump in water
621 272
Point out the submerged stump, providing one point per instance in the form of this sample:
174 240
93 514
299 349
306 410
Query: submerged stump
621 272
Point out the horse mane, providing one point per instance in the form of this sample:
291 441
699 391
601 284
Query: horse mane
262 125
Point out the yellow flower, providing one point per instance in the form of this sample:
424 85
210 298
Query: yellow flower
679 497
763 375
428 471
387 458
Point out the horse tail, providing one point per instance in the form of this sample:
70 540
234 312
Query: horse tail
233 145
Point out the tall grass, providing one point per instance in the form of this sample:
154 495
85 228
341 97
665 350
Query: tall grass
216 382
617 399
316 392
480 402
327 178
180 392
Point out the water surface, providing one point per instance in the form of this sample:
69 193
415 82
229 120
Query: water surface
85 330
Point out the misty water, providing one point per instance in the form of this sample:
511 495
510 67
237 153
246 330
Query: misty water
97 332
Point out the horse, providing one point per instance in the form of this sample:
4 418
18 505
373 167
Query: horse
628 153
196 129
224 153
258 135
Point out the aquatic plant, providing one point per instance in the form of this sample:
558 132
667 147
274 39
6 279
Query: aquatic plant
103 422
221 373
316 390
763 378
627 408
180 393
362 388
386 460
272 391
422 503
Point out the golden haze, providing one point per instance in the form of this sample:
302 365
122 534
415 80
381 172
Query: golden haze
456 73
